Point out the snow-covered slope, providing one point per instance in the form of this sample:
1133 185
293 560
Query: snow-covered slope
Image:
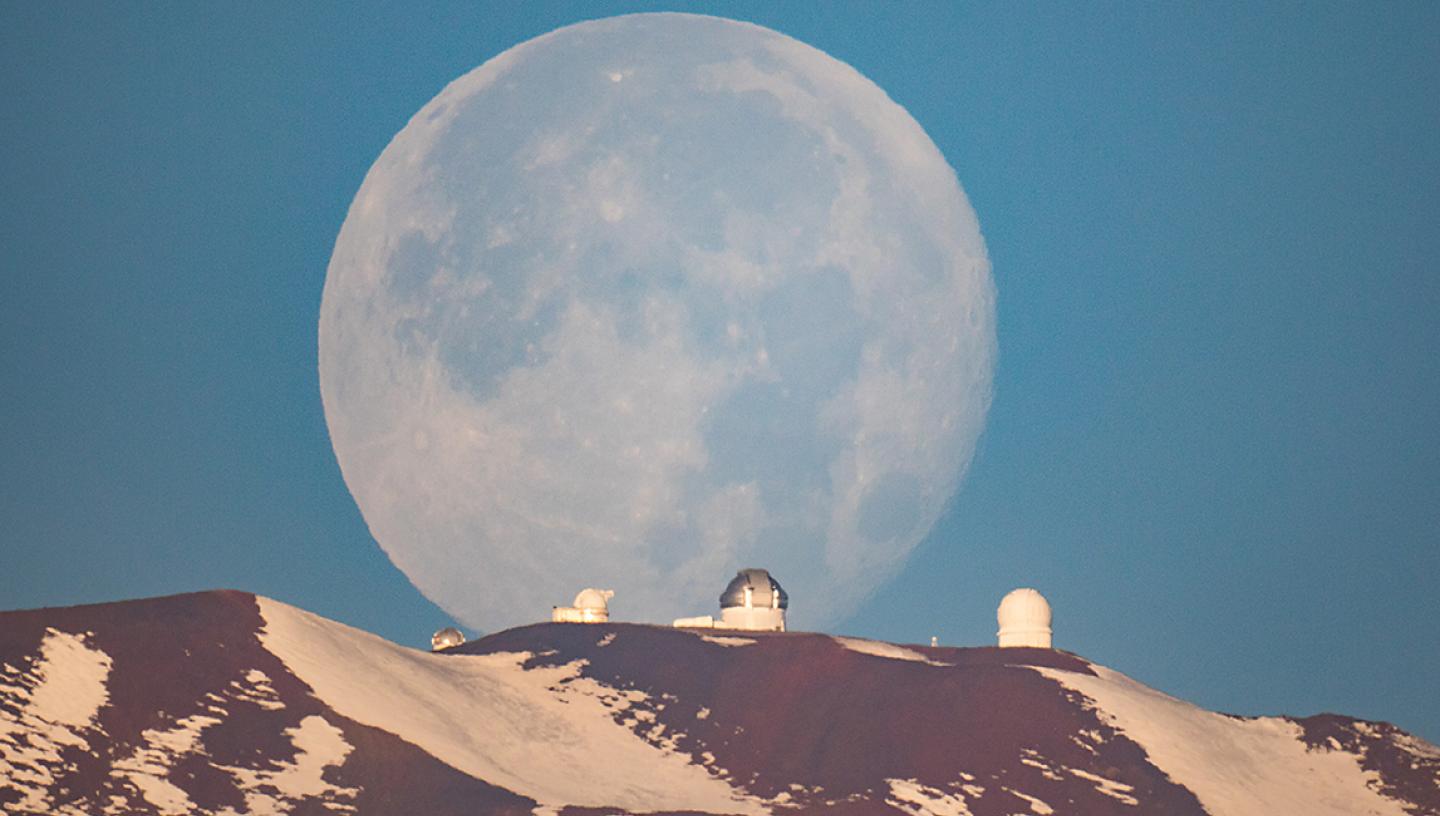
1234 766
224 703
547 733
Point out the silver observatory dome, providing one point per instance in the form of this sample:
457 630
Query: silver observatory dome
763 591
445 638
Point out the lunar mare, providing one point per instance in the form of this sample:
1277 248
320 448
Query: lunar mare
647 300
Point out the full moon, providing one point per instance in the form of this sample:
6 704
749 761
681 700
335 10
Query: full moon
647 300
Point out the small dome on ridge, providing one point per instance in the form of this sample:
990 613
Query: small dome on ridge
445 638
594 599
1024 618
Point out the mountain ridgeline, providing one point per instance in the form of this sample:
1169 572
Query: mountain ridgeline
228 703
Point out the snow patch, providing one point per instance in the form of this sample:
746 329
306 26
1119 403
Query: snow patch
909 796
319 745
1416 747
1036 806
277 788
1032 757
147 768
546 733
1109 787
45 709
72 681
256 689
1089 740
877 648
1234 766
721 640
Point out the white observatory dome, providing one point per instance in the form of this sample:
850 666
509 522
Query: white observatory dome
591 606
597 600
1024 618
445 638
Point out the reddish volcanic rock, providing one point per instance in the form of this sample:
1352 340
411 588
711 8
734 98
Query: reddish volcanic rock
191 655
228 704
1408 767
796 709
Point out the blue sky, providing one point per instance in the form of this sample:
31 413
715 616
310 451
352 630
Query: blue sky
1213 444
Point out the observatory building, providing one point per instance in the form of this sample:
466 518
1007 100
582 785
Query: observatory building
1024 618
445 638
753 601
591 606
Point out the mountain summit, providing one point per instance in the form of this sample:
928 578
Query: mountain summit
228 703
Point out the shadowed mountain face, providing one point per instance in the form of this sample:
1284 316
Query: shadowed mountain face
225 703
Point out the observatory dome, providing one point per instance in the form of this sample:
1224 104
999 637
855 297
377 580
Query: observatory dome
754 600
1024 618
594 599
591 606
445 638
752 588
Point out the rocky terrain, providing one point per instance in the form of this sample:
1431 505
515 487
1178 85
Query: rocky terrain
228 703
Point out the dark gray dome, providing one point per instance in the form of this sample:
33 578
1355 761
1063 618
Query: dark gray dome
763 589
